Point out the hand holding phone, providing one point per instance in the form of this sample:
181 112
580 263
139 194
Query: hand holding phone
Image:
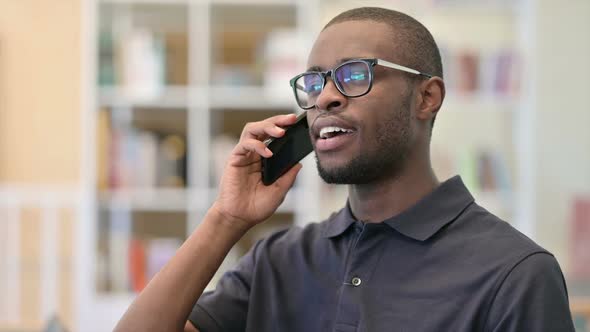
287 150
243 198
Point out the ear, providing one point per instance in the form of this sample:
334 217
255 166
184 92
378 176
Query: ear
431 96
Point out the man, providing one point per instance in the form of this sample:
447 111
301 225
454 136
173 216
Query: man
407 253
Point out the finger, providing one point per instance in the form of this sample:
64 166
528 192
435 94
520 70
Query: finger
252 145
261 131
274 131
287 180
283 120
269 127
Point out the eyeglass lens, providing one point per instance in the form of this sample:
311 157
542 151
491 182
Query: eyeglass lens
353 79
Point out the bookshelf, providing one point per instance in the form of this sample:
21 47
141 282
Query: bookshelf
191 73
171 85
487 104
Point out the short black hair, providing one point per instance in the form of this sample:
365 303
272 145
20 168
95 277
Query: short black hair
417 47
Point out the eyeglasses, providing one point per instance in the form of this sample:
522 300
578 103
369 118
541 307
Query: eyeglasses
353 78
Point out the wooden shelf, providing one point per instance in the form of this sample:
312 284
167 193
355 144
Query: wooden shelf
249 98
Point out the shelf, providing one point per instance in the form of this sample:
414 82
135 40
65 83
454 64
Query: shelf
163 199
200 2
250 98
254 2
169 97
178 97
230 54
475 103
156 2
160 199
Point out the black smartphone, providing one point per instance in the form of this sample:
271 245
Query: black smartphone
287 150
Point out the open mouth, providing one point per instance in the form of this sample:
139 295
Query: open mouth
331 131
333 138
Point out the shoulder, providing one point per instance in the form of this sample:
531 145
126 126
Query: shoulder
535 267
517 255
532 296
480 229
527 291
492 247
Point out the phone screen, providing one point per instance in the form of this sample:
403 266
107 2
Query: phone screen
287 150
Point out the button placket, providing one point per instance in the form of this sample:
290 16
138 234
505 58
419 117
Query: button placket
348 313
364 256
354 279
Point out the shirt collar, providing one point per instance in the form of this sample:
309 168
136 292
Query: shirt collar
423 219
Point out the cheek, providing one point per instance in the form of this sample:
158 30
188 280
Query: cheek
383 114
394 122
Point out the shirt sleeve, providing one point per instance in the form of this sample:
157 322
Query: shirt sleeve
226 307
533 297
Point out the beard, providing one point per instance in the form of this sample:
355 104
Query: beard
388 157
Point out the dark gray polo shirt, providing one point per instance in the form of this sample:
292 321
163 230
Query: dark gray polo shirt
445 264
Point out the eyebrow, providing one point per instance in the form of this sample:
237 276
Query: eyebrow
342 60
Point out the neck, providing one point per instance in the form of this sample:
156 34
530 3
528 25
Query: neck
388 197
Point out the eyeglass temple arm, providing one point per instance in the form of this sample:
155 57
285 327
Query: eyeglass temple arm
299 87
402 68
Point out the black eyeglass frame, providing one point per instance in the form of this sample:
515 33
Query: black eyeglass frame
369 62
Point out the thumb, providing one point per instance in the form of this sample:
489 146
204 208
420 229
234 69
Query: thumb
286 181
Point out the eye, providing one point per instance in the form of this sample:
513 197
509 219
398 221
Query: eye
359 76
312 84
353 73
315 88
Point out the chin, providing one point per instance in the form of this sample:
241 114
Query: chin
351 172
361 169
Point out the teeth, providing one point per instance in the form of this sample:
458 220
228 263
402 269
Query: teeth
327 130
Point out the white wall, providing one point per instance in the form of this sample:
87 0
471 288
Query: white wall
562 118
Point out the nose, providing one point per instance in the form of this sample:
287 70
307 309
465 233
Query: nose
330 99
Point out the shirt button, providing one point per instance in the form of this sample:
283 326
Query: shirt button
356 281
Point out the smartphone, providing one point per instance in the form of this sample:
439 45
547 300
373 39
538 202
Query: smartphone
287 150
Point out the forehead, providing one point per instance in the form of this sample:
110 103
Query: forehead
351 39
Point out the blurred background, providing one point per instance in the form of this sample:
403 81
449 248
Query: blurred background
116 117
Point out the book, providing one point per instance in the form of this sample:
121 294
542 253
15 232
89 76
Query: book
146 163
282 50
580 238
159 252
137 265
176 58
506 78
171 161
103 131
118 246
467 71
143 159
106 65
142 64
